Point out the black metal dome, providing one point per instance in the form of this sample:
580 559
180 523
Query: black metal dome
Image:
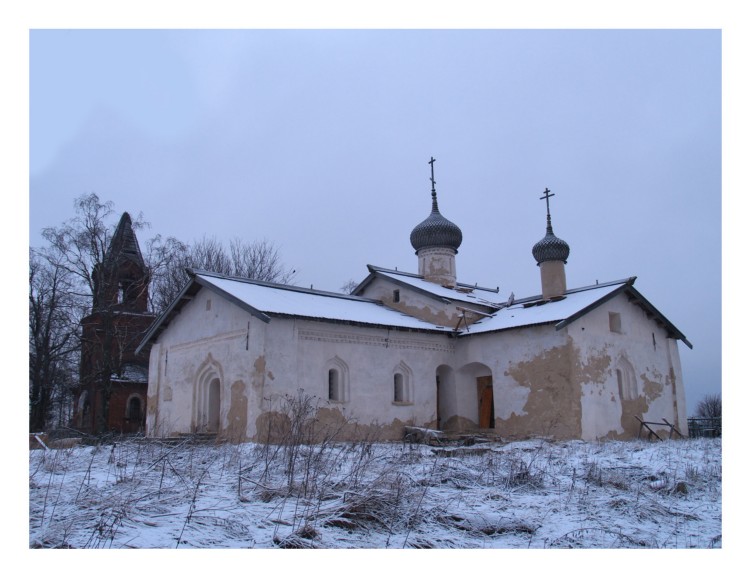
551 248
436 231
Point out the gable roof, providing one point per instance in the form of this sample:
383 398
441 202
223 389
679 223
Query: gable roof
463 292
265 300
572 306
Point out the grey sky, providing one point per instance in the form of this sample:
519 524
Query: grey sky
319 142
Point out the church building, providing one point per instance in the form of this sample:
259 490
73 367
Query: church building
231 356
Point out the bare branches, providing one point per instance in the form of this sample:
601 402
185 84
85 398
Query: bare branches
90 287
259 260
709 406
54 338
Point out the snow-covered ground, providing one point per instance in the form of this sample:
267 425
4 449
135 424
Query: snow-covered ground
530 494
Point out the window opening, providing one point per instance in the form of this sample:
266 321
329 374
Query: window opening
398 388
134 409
626 381
615 323
333 385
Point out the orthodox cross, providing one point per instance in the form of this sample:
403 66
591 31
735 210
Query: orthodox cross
546 196
432 173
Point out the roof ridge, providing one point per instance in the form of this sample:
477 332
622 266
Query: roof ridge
374 268
282 286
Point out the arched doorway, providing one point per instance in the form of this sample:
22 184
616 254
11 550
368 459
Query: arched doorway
445 396
475 392
207 401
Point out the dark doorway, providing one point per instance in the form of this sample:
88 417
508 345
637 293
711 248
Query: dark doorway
214 405
486 403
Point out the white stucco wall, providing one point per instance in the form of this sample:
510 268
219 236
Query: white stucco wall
266 361
655 362
208 328
420 305
530 373
545 382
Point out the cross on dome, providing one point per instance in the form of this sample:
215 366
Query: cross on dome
550 248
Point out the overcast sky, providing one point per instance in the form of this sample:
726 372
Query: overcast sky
320 140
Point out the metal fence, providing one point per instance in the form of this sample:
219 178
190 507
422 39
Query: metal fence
704 427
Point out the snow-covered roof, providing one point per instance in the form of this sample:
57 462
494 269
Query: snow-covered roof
564 310
265 300
538 312
287 300
131 373
462 292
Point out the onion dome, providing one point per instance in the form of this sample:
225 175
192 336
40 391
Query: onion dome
551 248
436 230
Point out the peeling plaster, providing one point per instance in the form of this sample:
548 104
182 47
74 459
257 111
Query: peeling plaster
259 378
554 380
632 408
236 429
652 389
428 314
329 424
152 405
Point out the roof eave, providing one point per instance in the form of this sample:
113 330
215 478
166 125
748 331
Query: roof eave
202 281
436 330
635 297
377 274
591 306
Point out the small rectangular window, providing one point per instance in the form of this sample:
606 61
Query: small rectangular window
615 324
396 295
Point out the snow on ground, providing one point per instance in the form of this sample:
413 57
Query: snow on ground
530 494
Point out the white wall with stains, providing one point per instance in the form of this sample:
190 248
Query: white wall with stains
562 384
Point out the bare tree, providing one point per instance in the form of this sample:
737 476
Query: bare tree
709 406
54 338
260 260
81 246
349 286
167 259
109 279
80 301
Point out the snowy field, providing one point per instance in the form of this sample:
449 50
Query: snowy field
531 494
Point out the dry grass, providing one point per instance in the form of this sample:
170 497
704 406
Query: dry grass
328 494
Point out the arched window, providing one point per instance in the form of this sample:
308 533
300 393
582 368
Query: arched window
398 387
337 378
134 410
626 382
402 388
334 391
